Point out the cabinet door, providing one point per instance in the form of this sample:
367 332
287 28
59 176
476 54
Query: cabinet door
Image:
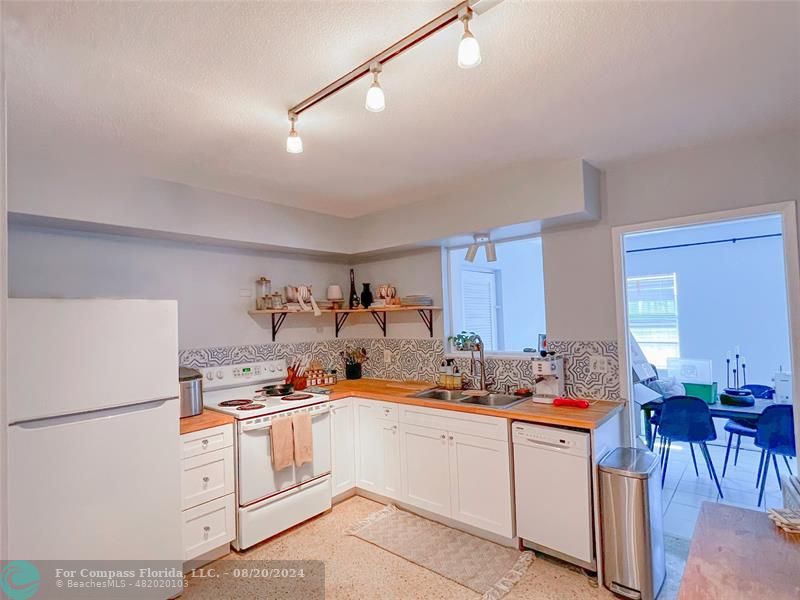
480 483
425 468
369 454
344 456
391 458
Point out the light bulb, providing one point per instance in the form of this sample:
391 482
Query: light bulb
376 101
469 51
294 143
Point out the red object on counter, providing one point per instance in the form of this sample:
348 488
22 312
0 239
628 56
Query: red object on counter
571 402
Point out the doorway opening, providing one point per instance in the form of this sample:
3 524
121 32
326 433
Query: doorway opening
706 309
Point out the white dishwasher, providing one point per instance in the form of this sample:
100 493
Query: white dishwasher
552 477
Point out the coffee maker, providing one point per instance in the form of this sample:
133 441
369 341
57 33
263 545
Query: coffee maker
548 377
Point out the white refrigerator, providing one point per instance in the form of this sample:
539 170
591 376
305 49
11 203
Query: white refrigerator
93 440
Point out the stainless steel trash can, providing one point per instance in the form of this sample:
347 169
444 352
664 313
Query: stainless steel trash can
632 532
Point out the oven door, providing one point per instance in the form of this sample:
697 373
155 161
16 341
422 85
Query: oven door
258 479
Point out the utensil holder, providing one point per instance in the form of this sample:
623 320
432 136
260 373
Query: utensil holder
352 370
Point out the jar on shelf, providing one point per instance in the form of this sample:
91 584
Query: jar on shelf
263 293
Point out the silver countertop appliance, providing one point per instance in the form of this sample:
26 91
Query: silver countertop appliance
191 381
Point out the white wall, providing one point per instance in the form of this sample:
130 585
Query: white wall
3 294
417 272
579 276
205 280
729 294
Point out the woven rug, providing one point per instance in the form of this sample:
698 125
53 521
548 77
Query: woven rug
480 565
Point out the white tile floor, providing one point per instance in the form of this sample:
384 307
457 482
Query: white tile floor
684 492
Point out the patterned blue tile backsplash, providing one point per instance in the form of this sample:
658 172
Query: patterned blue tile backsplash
418 359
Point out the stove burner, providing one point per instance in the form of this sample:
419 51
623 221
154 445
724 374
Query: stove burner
253 406
235 402
294 397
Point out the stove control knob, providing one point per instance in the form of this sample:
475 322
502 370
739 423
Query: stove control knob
220 374
272 368
210 375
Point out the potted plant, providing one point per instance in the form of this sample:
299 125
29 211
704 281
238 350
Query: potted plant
353 358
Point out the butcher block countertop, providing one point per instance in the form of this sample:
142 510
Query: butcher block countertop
400 392
739 554
205 420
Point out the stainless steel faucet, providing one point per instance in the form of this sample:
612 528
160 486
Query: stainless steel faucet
477 344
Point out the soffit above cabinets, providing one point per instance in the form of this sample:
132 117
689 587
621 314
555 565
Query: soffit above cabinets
522 199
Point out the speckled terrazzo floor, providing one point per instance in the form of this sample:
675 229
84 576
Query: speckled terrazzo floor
356 569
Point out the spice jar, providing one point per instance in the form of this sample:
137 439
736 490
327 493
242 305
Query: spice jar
263 292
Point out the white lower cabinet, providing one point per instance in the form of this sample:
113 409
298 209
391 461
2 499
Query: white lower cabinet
343 434
453 464
425 468
207 480
377 448
461 476
480 483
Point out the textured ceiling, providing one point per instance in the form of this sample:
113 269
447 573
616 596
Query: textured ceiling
197 92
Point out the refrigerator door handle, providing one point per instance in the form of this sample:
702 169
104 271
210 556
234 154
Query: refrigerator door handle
90 415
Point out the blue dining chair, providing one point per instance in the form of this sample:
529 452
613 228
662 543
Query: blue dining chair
775 436
746 427
687 419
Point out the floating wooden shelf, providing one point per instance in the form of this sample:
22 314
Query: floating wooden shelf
341 315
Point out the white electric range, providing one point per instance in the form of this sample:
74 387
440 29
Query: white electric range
270 501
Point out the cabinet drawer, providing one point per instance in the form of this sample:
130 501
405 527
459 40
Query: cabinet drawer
206 477
495 428
208 526
380 410
206 440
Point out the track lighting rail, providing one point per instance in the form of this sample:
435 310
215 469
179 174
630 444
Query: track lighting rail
409 41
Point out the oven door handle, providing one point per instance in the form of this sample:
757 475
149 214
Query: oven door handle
245 427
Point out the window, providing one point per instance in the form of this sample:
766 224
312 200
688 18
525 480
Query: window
502 301
653 316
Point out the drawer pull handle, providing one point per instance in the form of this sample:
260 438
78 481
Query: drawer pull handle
205 443
206 479
443 436
206 530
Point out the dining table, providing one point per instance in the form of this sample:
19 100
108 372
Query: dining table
717 410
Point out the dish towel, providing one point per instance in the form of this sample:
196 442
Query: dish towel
303 446
282 443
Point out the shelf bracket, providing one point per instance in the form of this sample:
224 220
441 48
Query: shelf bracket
380 319
427 317
277 321
340 317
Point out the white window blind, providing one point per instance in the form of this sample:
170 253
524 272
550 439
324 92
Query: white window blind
653 316
479 305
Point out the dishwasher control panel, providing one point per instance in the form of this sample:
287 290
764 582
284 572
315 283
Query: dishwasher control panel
553 438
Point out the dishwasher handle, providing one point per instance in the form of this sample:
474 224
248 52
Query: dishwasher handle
551 445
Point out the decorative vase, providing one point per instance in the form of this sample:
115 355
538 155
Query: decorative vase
366 296
353 301
352 370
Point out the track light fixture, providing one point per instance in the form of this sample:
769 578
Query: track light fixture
469 51
294 143
481 239
376 101
469 56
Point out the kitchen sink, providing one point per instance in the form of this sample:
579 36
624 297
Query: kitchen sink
489 400
446 395
495 400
